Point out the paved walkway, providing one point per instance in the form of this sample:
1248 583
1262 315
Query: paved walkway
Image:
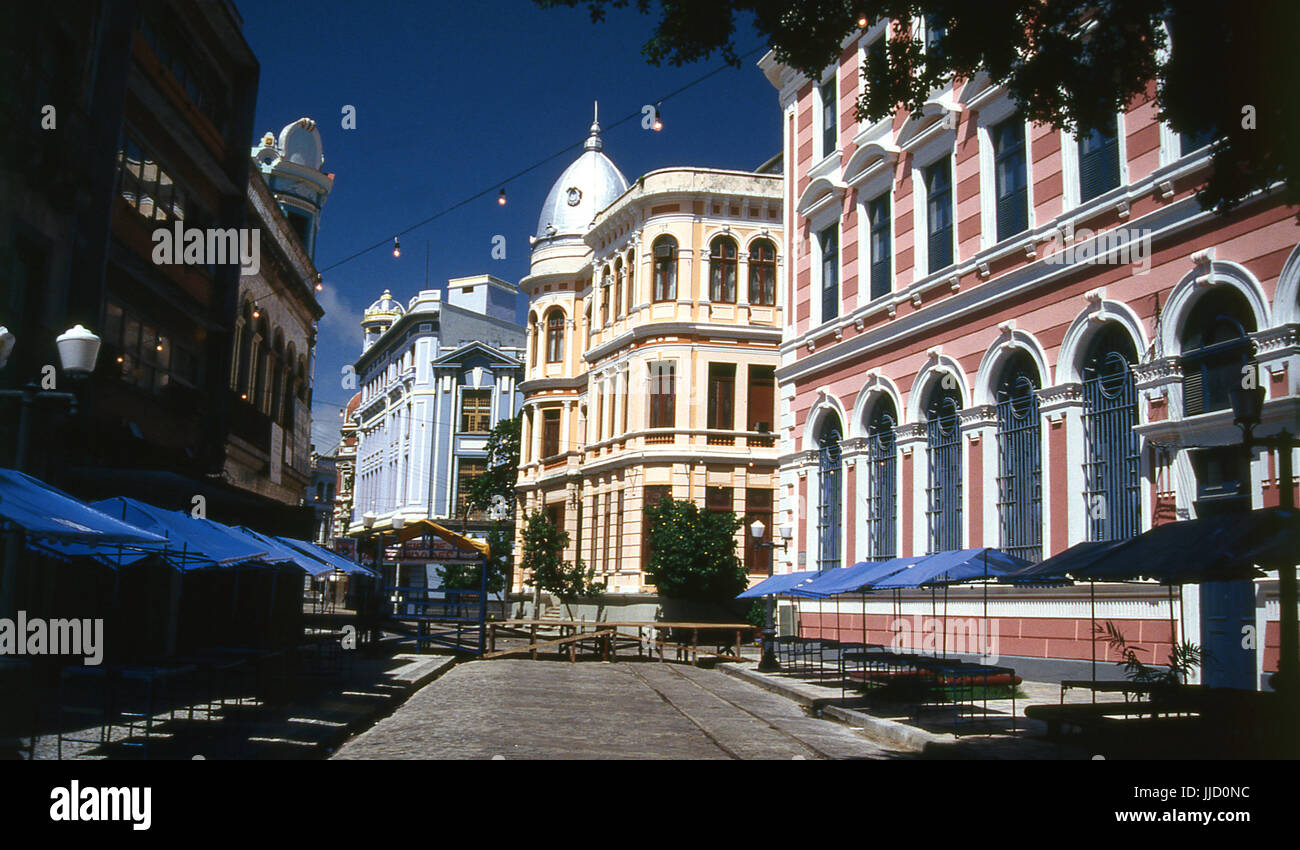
521 709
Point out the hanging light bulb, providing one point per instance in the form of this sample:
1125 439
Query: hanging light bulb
501 199
862 21
397 247
159 346
257 312
320 287
659 118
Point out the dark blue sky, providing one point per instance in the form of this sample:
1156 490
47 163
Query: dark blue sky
451 98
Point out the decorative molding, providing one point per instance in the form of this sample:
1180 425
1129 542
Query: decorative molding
1052 399
1154 373
1281 340
978 416
909 432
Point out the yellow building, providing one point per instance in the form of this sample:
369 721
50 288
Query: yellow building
654 323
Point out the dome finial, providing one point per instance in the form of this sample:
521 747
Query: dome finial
593 142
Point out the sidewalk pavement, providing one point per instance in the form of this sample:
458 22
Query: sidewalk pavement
523 709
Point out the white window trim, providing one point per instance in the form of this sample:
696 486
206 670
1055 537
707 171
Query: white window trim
989 116
818 280
1071 191
920 226
864 242
819 125
868 39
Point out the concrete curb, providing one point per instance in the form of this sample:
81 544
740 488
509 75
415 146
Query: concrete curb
876 728
412 676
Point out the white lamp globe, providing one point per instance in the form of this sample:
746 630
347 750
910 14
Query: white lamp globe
78 351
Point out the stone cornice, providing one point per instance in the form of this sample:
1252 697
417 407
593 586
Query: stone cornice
1158 372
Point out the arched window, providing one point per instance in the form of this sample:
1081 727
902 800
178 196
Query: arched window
1020 486
882 482
276 376
535 333
290 392
257 383
1216 347
245 353
631 280
1112 500
604 297
762 273
722 270
665 269
828 494
618 286
943 452
555 336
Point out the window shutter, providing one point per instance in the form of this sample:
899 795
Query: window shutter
1098 165
1193 389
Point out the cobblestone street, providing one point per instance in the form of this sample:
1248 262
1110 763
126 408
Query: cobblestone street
520 709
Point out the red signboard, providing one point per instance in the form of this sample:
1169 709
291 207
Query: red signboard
437 550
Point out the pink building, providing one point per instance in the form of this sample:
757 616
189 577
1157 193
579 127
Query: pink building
1005 335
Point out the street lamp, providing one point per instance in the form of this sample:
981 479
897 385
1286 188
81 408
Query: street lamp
1247 410
768 663
78 349
7 341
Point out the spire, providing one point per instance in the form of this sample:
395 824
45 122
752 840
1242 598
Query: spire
593 142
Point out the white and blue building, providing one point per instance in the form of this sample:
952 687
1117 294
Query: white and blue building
435 376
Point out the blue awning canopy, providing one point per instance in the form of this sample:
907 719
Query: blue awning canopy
191 542
1214 548
952 567
778 584
1058 568
854 579
110 554
274 553
51 515
333 558
308 562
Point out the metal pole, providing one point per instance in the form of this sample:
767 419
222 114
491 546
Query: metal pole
27 400
13 546
1289 662
482 607
1092 610
768 663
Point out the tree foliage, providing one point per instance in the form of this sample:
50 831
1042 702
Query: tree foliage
1184 658
497 485
1219 72
543 559
469 576
693 552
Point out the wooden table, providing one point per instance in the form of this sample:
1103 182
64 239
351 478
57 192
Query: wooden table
1111 686
575 628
